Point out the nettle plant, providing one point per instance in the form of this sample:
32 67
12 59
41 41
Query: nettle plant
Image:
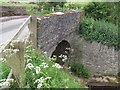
43 72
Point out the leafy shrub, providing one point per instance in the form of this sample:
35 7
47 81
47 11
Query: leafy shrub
103 10
72 5
80 70
49 5
42 72
100 31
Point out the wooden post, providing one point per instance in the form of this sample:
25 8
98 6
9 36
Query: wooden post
16 62
33 31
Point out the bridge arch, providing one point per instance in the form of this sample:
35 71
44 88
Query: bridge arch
61 52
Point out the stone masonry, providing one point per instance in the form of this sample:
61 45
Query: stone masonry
12 10
53 28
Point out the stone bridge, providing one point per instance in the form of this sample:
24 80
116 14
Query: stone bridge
58 31
54 29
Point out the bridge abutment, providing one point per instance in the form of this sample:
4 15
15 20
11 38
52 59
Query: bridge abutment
53 28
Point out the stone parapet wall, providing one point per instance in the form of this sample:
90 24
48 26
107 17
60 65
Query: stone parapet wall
53 28
12 10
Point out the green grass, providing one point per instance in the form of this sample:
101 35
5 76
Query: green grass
4 70
59 77
80 70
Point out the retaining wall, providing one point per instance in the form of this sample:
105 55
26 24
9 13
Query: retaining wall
98 58
12 10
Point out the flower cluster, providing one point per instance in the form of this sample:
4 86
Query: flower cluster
64 57
37 69
5 82
44 65
10 52
57 65
41 81
29 66
3 59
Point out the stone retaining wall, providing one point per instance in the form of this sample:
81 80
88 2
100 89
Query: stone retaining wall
98 58
12 10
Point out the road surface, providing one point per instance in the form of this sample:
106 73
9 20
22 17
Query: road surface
9 28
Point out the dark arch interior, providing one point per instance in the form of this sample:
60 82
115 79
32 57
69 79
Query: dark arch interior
63 48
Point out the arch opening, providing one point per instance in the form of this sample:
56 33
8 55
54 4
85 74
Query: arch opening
61 52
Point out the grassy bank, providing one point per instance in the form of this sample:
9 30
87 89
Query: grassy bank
43 72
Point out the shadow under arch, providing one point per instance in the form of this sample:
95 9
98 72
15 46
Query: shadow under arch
62 52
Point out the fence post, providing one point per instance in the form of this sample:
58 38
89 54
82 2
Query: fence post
33 31
16 62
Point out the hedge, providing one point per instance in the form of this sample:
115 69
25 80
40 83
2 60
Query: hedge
107 11
100 31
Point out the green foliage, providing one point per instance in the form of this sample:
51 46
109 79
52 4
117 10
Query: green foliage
46 72
103 10
4 70
80 70
75 5
50 6
100 31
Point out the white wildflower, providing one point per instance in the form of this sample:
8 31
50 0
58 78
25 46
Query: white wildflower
72 50
69 67
67 48
29 65
64 58
37 70
2 59
5 84
57 65
28 60
29 46
11 44
39 85
66 52
39 82
10 52
15 50
44 65
45 53
2 80
27 56
61 56
54 57
47 78
66 87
